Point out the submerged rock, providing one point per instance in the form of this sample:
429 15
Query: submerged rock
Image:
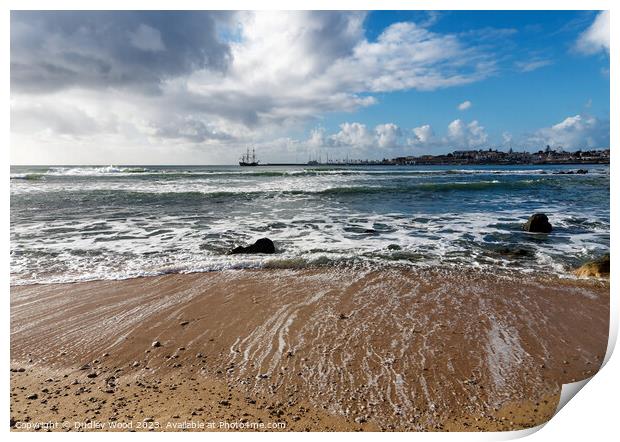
538 223
515 252
572 172
263 245
598 268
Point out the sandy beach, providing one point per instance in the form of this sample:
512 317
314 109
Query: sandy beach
315 349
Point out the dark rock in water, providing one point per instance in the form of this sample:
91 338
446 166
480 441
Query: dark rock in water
598 268
572 172
538 223
263 245
393 247
515 252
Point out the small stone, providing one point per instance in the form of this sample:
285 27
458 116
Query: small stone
92 374
183 323
135 364
156 344
225 403
32 396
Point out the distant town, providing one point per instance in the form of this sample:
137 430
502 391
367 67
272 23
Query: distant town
488 156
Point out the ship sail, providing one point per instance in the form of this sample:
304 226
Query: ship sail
247 159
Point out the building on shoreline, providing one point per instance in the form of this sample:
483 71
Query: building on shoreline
473 157
494 156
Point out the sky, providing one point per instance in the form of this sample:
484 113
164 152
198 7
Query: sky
199 87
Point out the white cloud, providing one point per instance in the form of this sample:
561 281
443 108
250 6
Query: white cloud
317 138
388 135
596 37
423 135
576 132
466 135
532 65
357 136
464 105
353 135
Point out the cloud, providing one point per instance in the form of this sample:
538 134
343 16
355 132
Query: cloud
388 135
464 105
189 129
233 77
466 135
596 37
55 50
576 132
336 68
407 56
66 120
353 135
317 138
147 38
422 136
357 136
532 65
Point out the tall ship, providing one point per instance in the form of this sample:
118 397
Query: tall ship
247 159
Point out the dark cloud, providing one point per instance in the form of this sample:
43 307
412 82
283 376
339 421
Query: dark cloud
52 50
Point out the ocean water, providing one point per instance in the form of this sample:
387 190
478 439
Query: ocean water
85 223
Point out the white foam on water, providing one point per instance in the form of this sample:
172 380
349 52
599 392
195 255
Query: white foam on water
308 227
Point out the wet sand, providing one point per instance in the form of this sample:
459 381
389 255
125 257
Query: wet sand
321 349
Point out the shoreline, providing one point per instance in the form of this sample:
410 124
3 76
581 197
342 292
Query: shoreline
275 262
322 348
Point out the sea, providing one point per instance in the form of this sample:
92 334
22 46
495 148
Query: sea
80 223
